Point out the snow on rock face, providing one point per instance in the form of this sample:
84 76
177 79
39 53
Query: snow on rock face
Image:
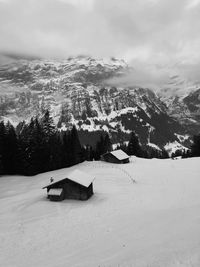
154 146
153 222
173 147
182 137
182 101
77 91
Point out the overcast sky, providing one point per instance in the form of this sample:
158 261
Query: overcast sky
163 33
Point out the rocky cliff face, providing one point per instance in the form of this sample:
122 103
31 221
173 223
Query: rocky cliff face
27 87
183 105
76 92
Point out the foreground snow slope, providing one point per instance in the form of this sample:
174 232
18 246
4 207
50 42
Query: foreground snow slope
153 222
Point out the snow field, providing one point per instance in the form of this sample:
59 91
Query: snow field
153 222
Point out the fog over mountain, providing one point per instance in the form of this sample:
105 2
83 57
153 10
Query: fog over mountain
159 38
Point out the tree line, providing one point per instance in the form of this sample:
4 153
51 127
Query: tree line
38 146
132 148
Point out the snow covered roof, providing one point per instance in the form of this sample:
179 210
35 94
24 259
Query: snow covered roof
119 154
81 178
55 191
76 176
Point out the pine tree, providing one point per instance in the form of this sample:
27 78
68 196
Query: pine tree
33 156
186 154
134 147
89 154
103 145
99 148
195 149
107 145
48 131
75 146
55 159
10 150
37 146
65 149
164 154
47 125
153 153
2 146
27 149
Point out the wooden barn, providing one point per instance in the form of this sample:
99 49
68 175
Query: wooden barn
75 185
117 156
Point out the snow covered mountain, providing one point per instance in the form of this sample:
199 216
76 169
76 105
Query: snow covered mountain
182 100
77 92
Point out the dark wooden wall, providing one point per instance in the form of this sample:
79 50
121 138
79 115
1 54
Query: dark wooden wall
72 190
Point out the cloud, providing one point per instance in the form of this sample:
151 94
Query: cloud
151 32
193 4
189 71
149 76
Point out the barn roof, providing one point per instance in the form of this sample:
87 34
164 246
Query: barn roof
80 177
76 176
119 154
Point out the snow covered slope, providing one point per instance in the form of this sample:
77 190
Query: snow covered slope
153 222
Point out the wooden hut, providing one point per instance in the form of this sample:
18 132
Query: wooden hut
117 156
75 185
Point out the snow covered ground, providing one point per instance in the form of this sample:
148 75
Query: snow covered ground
153 222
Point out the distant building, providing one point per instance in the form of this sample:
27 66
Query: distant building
117 156
75 185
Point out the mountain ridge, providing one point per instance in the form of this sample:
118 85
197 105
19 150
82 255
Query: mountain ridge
76 92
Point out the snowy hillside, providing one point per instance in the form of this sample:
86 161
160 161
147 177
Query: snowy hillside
153 222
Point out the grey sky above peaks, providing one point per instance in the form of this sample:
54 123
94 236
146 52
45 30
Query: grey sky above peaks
159 33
